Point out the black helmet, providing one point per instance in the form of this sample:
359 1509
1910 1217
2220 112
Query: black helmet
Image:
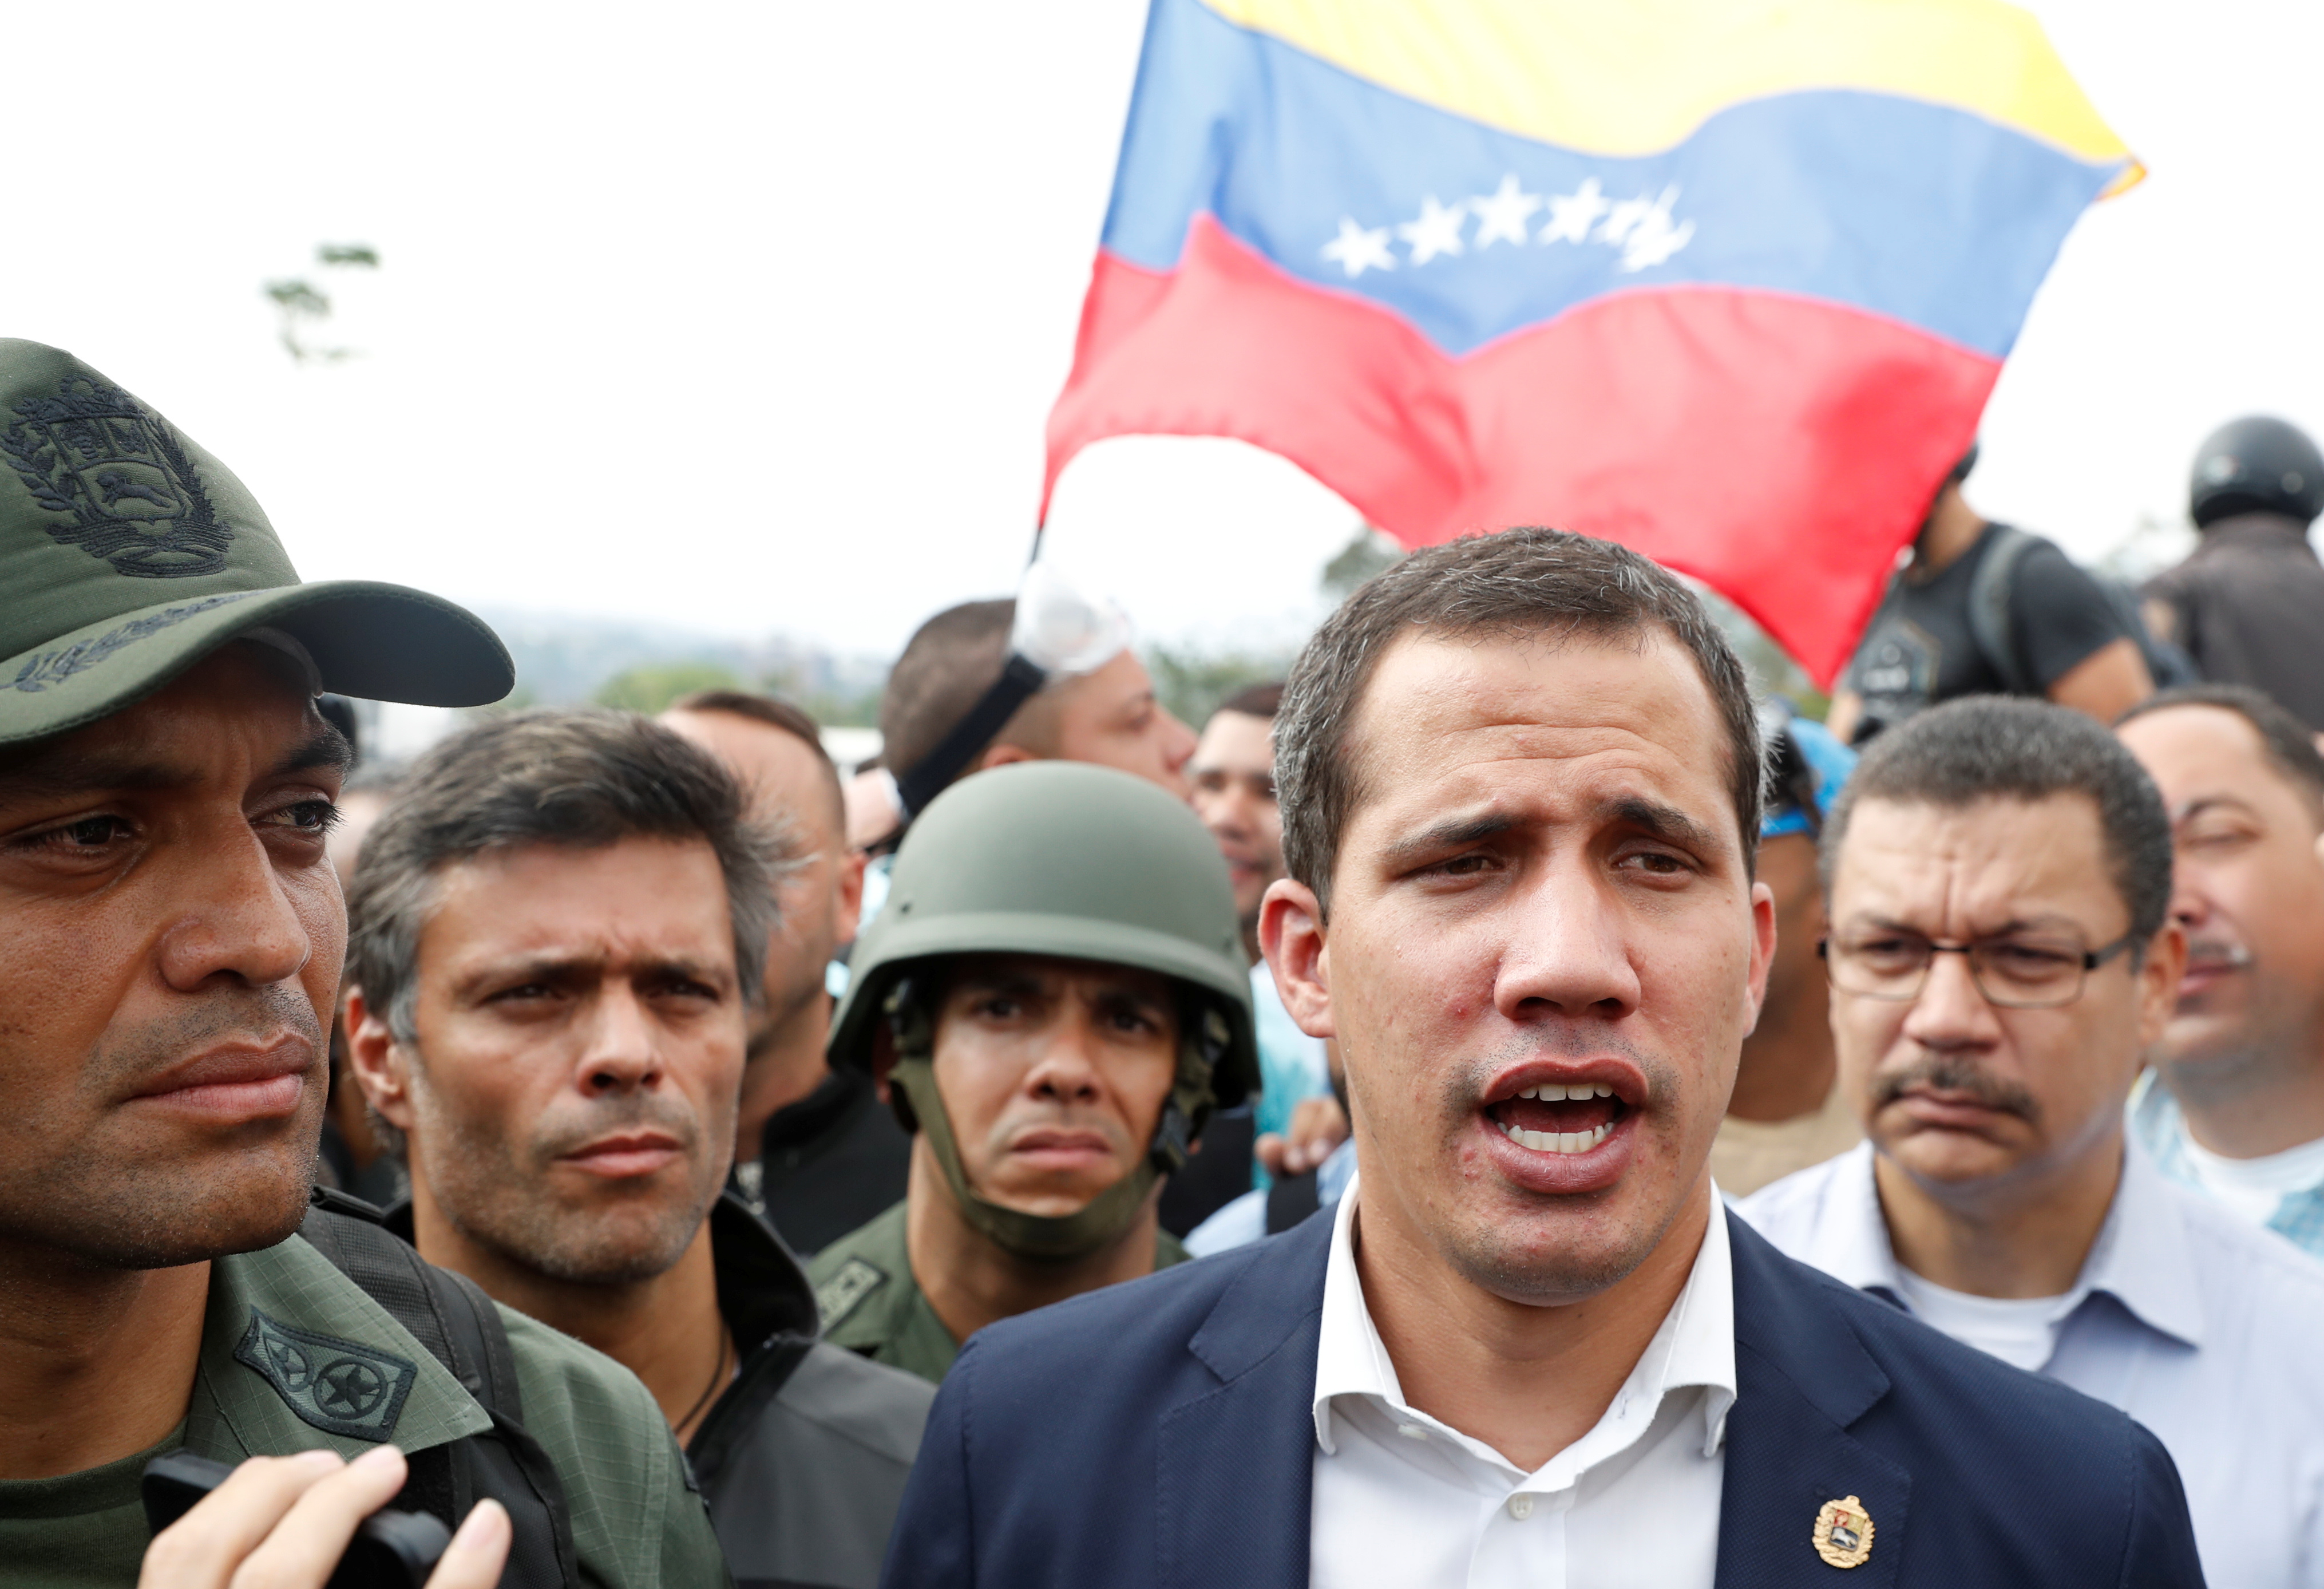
2256 465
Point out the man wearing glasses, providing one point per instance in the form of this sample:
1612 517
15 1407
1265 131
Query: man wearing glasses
1998 877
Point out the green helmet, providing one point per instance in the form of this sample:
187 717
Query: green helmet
1082 863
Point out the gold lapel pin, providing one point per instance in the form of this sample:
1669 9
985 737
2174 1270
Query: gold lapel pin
1843 1533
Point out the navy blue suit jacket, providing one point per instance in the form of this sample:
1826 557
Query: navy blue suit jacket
1160 1434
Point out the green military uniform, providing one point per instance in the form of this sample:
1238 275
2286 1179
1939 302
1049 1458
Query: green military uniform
871 1303
128 553
295 1357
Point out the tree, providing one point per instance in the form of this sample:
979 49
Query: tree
651 688
1366 553
304 307
1192 683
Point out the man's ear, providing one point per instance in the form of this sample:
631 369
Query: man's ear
1763 944
850 894
2158 981
377 1060
1003 755
1291 936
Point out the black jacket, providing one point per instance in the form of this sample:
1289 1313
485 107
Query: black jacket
803 1458
831 1161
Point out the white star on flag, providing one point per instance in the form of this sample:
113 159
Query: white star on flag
1623 217
1653 239
1357 249
1570 214
1503 214
1437 231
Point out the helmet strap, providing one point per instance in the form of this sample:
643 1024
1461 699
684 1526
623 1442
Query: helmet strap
1057 1239
1106 1217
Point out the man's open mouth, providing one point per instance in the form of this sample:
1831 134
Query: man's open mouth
1559 1117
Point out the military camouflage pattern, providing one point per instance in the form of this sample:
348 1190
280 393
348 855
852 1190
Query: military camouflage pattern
320 1341
871 1303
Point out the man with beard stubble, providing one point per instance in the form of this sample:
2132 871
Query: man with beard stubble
1521 783
171 940
558 933
2001 951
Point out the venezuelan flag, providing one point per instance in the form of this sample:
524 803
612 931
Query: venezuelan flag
1727 280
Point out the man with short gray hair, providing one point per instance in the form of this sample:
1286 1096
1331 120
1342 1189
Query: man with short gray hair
1998 874
560 935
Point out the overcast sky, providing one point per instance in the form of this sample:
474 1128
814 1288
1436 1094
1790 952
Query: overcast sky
748 318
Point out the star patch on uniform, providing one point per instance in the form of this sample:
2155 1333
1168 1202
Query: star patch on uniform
1843 1533
337 1386
852 1281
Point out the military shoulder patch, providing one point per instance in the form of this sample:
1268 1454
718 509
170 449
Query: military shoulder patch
849 1284
337 1386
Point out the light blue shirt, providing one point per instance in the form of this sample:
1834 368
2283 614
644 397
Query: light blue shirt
2205 1330
2156 1121
1244 1220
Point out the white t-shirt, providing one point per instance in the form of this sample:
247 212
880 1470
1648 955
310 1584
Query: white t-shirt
2254 1188
2021 1331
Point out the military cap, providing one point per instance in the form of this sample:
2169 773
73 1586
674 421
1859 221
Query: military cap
127 553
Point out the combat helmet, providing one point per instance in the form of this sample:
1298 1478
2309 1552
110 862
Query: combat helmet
2256 465
1082 863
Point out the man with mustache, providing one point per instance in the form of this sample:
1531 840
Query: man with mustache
559 937
2000 952
171 939
2235 1105
1521 785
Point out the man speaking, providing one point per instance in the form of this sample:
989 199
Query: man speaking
1518 774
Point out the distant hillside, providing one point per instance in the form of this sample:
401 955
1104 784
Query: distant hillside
562 658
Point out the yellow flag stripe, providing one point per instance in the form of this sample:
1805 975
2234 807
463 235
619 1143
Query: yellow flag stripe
1633 77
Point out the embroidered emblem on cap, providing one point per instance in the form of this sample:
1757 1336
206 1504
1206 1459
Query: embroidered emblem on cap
335 1385
837 1298
1843 1533
43 669
117 476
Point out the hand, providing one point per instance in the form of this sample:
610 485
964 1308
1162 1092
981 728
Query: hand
284 1521
1318 1125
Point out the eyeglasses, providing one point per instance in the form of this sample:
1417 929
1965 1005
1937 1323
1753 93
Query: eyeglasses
2013 973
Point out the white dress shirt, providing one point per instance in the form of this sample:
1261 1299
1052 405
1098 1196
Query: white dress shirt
2205 1329
1402 1499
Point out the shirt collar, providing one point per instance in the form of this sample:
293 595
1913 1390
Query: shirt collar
761 1290
1695 1346
2140 1258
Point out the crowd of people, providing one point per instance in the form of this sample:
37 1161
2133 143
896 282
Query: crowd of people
1504 1104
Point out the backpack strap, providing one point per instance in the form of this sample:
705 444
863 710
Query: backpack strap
450 1315
1989 606
1290 1200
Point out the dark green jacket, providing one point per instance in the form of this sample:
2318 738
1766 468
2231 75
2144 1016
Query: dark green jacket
871 1303
332 1353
